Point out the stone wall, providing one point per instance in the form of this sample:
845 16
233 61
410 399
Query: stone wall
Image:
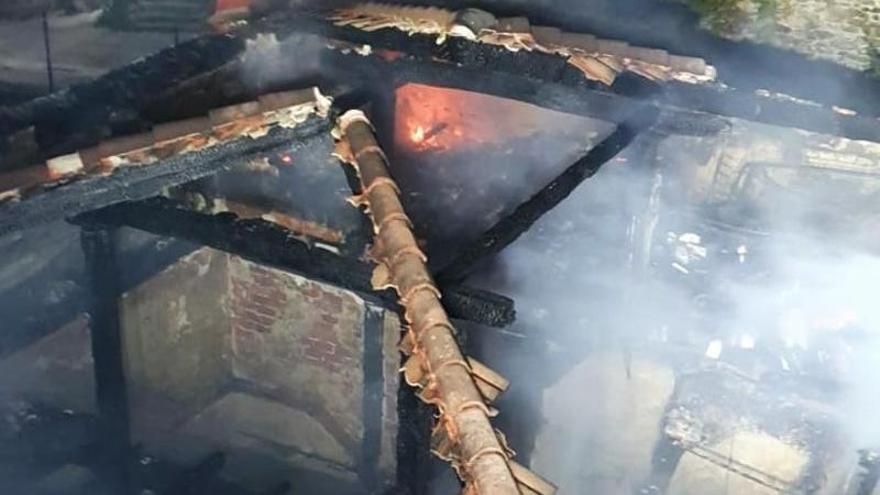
843 31
175 335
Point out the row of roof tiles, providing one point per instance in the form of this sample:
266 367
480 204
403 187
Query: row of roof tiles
598 59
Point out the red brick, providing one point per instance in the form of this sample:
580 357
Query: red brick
311 291
267 300
264 277
330 302
247 324
331 319
254 268
261 309
249 315
321 352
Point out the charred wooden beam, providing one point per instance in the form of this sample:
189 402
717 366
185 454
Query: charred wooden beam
141 182
691 100
373 393
99 248
272 244
509 228
479 305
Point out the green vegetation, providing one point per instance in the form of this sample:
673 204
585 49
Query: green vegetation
728 16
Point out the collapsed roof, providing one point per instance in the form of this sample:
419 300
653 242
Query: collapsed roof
639 89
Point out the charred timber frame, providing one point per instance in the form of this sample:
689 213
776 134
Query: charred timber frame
463 434
273 245
525 76
509 228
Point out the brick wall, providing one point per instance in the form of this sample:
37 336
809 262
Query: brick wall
250 356
300 342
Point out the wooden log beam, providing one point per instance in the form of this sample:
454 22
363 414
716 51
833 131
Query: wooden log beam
271 244
509 228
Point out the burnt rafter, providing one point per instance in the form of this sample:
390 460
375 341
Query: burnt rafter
268 243
531 70
509 228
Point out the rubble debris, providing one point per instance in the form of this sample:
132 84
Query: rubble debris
598 59
462 434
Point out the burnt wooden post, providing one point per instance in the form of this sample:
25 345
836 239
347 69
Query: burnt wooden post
99 248
373 392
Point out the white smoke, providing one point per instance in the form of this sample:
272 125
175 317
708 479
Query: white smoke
270 63
793 280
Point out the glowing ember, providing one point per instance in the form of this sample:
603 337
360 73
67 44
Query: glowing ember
287 159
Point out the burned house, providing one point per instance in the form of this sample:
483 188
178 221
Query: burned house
343 250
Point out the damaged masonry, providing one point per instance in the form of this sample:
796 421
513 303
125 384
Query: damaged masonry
610 248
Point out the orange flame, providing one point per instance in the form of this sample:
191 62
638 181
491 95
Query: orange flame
439 119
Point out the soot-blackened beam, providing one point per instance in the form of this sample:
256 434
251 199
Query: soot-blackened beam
99 248
373 395
271 244
692 100
509 228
